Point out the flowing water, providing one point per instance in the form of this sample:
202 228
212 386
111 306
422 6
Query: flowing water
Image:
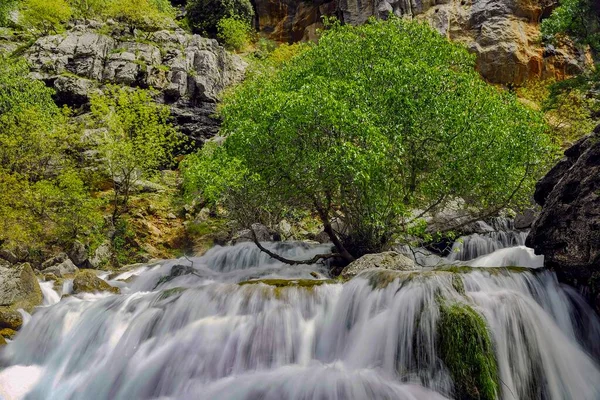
202 335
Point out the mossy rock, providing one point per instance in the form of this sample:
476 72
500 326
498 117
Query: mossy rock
7 333
465 347
304 283
2 341
165 294
86 281
10 319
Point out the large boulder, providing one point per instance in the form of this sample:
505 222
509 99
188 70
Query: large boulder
188 71
389 260
19 288
78 253
87 282
567 231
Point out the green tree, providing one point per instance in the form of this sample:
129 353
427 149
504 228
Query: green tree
368 126
234 33
88 9
138 138
45 16
578 19
42 197
204 15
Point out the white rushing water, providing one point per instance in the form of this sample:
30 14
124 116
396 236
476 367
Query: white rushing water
201 335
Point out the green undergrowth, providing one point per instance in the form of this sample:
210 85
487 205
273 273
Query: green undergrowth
465 347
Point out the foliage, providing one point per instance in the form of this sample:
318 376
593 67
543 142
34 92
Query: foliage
568 112
142 14
466 349
578 19
6 6
45 16
42 196
88 9
366 127
204 15
138 138
234 33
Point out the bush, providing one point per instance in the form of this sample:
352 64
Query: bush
88 9
578 19
42 196
370 124
45 16
142 14
6 7
204 15
234 33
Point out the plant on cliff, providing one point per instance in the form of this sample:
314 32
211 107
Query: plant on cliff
578 19
234 33
42 196
138 138
204 15
45 16
141 14
88 9
368 126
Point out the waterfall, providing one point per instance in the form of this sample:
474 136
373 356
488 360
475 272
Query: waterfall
239 325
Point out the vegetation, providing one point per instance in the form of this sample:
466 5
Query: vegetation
204 15
6 7
43 198
466 349
234 33
145 14
366 127
138 138
577 19
44 16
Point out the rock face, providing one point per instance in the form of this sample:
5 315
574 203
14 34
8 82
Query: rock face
504 34
567 232
188 71
389 260
19 288
62 269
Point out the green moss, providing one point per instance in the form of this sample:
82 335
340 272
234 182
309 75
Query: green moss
466 349
165 294
305 283
458 284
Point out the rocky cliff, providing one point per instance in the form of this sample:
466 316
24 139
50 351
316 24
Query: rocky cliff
567 232
188 71
504 34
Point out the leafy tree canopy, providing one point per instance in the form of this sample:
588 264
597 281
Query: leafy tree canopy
370 125
578 19
204 15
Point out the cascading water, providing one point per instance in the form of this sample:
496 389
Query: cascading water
239 325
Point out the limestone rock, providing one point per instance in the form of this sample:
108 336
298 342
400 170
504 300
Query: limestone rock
188 71
9 256
101 256
567 231
10 320
389 260
57 259
87 282
525 219
19 288
261 231
60 270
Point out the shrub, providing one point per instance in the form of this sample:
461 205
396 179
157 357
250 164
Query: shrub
234 33
141 14
6 7
204 15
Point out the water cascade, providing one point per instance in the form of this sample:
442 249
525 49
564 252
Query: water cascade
235 324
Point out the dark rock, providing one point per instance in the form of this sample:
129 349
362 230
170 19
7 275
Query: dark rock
57 259
262 234
61 270
525 219
8 256
567 232
78 253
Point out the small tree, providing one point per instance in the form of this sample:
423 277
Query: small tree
143 14
234 33
370 125
138 138
45 16
204 15
578 19
88 9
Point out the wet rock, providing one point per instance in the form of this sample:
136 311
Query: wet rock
87 282
525 219
567 231
323 237
61 270
10 320
389 260
19 288
78 253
